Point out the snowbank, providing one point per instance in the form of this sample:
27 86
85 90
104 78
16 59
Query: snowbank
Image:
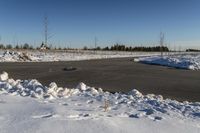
47 56
191 61
12 56
149 103
37 108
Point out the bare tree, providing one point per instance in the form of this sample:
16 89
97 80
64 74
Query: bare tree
179 49
95 44
162 37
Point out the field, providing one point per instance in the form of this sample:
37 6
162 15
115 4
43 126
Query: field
64 55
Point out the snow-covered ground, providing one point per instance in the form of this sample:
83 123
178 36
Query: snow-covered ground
28 106
178 60
70 55
185 61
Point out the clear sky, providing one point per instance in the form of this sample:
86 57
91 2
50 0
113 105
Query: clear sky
75 23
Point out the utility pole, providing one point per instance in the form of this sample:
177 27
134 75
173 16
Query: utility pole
169 48
162 36
46 30
179 49
95 44
0 38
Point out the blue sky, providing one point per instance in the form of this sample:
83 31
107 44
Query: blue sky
75 23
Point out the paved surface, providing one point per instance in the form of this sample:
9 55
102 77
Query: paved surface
113 75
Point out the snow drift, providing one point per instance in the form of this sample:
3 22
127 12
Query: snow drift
189 61
37 108
148 103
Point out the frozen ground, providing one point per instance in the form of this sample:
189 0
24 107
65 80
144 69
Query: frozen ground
71 55
184 61
28 106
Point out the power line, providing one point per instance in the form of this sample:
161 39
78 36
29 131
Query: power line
46 30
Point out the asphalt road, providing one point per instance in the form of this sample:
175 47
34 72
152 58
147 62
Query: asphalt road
113 75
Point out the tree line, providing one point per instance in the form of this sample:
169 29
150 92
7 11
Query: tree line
118 47
115 47
9 46
192 50
30 47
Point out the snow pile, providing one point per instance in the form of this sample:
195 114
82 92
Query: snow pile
35 89
191 61
73 55
4 76
37 108
12 56
144 104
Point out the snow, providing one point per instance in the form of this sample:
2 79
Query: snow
183 61
16 56
28 106
71 55
4 76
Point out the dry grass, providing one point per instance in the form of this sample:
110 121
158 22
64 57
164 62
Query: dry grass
106 105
